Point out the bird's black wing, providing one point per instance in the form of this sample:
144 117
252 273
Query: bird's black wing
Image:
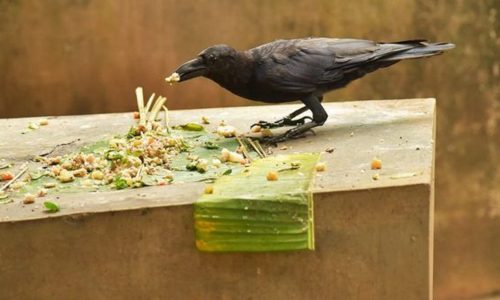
304 66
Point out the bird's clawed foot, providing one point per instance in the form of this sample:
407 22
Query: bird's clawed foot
286 121
293 133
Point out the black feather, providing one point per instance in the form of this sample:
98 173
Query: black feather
287 70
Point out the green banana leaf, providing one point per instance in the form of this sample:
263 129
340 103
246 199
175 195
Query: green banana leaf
203 144
247 212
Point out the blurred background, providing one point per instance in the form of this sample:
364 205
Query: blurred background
87 56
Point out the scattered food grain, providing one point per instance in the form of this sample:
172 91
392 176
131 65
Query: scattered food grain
55 171
80 172
376 164
54 160
266 132
41 192
29 198
204 120
17 185
49 185
90 158
43 122
256 128
226 130
230 156
330 150
65 176
209 189
202 166
216 162
32 126
375 176
6 176
320 167
67 165
272 176
136 115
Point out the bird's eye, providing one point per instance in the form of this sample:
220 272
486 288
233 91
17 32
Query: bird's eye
212 57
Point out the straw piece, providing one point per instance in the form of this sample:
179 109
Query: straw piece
140 105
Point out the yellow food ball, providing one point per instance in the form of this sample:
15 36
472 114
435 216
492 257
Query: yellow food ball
97 175
256 128
376 164
266 132
209 189
29 198
65 176
272 176
320 167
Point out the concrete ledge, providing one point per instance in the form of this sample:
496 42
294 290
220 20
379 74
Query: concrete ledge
371 244
373 238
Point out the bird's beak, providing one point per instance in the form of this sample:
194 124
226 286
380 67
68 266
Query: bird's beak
191 69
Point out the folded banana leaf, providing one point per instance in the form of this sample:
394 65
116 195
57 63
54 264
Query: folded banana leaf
247 212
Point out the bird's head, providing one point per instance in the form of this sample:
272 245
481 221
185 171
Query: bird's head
214 59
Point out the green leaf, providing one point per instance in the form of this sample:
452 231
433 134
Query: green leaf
199 143
246 212
131 133
207 179
210 145
36 175
6 200
227 172
5 166
113 155
120 183
192 127
51 206
97 147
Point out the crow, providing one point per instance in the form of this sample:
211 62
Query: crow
299 69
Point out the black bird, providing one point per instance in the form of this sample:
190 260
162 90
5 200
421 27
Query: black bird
299 69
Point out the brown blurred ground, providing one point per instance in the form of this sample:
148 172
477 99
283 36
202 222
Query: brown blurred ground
84 56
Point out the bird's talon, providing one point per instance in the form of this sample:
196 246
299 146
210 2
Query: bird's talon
286 121
263 124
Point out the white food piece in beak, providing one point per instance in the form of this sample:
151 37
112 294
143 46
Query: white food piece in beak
175 77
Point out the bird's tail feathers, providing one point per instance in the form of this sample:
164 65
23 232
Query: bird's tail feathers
421 49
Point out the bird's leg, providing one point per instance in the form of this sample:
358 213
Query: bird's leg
286 121
319 117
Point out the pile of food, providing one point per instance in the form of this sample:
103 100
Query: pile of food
151 153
